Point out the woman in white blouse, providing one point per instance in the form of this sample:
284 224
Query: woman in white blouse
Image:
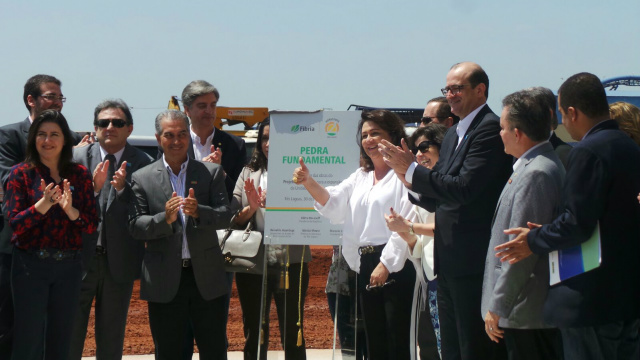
425 144
378 255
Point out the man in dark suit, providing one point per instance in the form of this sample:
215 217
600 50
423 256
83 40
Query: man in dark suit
41 92
463 190
546 96
178 205
213 145
597 311
111 258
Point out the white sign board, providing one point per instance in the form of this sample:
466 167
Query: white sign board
327 142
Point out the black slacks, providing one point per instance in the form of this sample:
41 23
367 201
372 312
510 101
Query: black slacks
45 298
6 307
112 305
169 321
250 291
387 310
614 341
533 344
461 323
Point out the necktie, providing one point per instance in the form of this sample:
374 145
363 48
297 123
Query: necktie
104 195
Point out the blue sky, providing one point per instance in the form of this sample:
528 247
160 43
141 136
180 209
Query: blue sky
300 55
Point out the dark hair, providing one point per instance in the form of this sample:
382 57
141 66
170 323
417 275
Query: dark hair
113 104
546 97
32 86
195 89
528 114
433 132
66 156
584 92
476 77
258 159
444 109
387 121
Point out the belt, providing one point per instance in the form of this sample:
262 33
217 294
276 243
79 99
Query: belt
101 250
186 263
54 254
370 249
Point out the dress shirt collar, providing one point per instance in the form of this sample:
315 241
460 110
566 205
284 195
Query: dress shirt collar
523 157
183 167
463 125
202 150
30 119
118 155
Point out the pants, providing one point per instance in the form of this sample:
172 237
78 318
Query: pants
613 341
428 325
187 347
533 344
112 306
250 291
353 343
387 310
169 321
461 321
6 307
45 298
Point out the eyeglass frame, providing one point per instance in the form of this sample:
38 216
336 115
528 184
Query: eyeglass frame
431 119
454 89
53 97
117 123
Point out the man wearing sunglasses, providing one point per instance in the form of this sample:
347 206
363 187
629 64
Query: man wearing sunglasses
463 190
112 259
438 111
41 92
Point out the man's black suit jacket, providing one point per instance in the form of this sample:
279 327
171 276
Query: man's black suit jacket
234 156
601 186
561 148
463 189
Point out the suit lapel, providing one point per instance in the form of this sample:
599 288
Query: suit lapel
164 180
457 148
190 153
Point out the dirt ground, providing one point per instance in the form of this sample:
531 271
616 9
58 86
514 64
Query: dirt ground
318 327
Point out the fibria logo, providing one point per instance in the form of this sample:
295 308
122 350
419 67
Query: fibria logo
332 127
301 128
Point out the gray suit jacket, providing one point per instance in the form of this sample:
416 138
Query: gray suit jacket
533 193
124 254
162 264
239 201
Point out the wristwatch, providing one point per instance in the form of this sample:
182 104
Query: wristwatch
411 228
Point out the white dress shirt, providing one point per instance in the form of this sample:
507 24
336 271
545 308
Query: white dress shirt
178 185
360 205
200 151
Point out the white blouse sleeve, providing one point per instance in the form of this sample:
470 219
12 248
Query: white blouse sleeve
337 207
396 252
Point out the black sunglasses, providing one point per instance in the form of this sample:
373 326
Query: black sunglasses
119 123
423 147
427 120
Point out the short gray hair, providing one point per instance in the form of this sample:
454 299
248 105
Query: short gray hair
195 89
546 96
171 115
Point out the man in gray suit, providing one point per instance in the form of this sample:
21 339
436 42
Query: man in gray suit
513 295
111 258
179 203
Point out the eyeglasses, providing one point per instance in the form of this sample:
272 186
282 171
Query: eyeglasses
427 120
119 123
52 97
454 89
379 287
423 147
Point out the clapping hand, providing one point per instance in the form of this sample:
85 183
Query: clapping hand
215 156
100 175
253 196
171 208
120 177
190 205
65 201
395 222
